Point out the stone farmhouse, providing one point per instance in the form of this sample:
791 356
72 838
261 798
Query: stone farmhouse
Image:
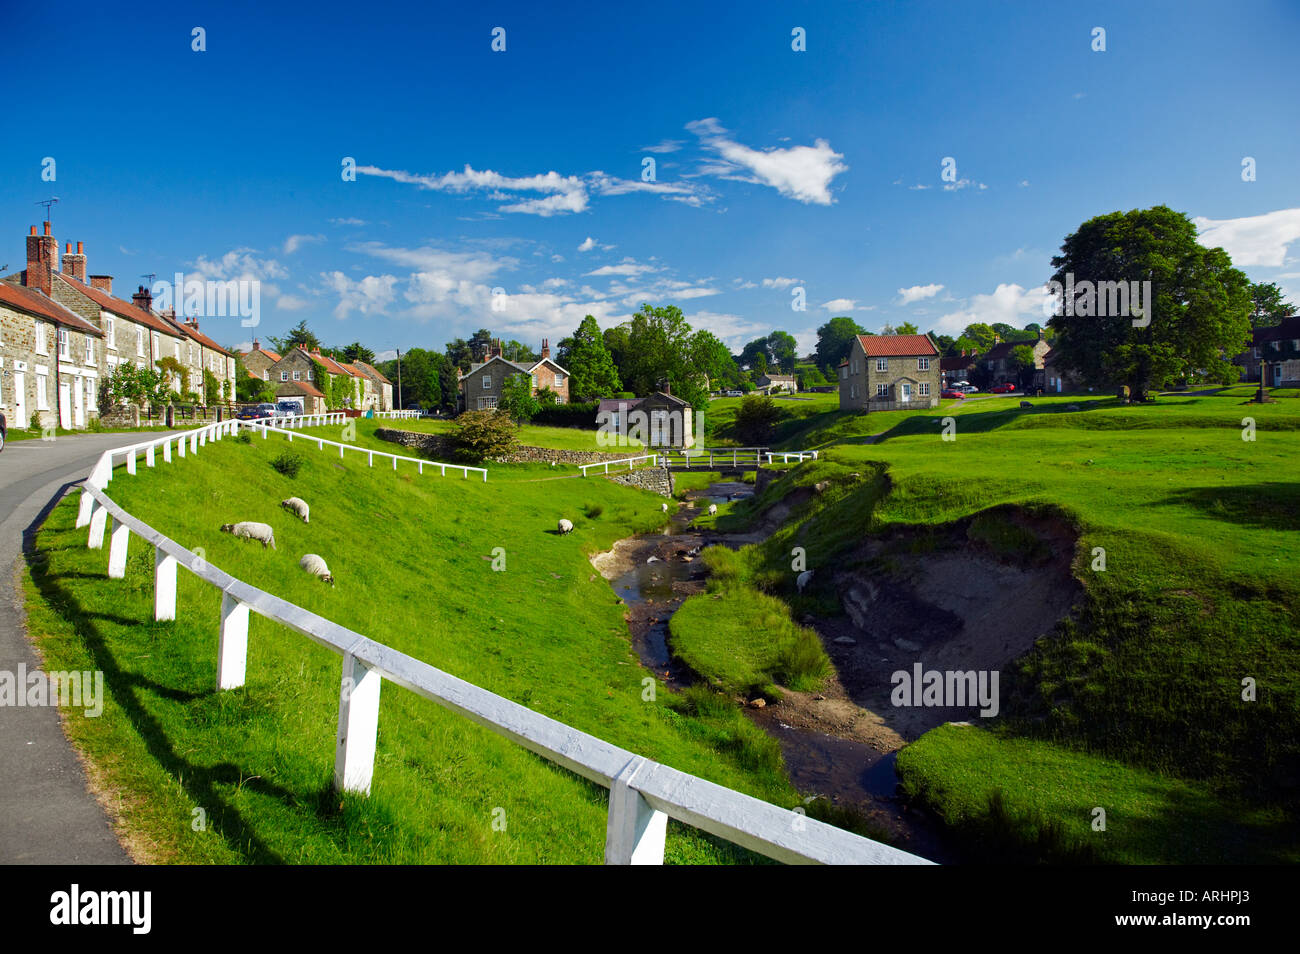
258 362
775 383
660 420
378 389
480 387
1278 348
890 373
999 361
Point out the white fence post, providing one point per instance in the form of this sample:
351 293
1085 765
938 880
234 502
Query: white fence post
148 456
117 544
232 657
164 585
167 451
194 441
85 507
635 832
130 461
98 518
358 733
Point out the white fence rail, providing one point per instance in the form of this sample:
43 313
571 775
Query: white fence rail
643 794
630 461
320 442
799 456
396 415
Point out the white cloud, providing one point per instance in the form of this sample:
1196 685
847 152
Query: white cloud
291 303
963 184
373 294
733 330
779 282
627 268
348 221
840 304
803 173
917 293
295 242
1008 303
239 264
1254 240
588 244
667 145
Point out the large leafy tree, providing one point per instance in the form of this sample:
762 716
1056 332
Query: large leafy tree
459 353
422 378
1199 316
299 334
591 368
712 359
833 341
517 399
980 335
357 352
1268 307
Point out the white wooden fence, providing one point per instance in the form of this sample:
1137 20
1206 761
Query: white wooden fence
320 442
630 461
396 415
643 794
799 456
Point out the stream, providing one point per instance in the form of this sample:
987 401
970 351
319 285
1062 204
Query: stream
654 573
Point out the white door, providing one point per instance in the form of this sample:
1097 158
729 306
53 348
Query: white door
79 404
65 406
905 393
20 400
1277 375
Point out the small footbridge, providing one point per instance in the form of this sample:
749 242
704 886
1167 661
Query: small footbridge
727 460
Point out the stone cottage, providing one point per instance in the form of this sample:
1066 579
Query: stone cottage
890 373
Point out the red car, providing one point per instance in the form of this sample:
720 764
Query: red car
1003 389
950 393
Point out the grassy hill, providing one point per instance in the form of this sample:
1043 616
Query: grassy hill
412 557
1199 529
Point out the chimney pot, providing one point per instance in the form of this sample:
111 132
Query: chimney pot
33 231
81 248
47 229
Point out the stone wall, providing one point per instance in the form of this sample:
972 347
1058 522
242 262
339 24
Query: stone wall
655 479
441 447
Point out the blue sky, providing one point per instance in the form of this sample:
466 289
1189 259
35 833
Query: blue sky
522 170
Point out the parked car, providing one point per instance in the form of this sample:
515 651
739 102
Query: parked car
256 412
288 408
952 393
735 393
4 431
968 389
1003 389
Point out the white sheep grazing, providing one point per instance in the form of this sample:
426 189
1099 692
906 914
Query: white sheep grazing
566 526
803 579
298 506
665 508
316 566
247 530
713 508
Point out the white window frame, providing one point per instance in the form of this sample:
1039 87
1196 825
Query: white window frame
284 375
139 341
110 330
923 364
882 390
559 380
882 364
64 343
42 345
923 389
42 392
487 382
297 375
90 350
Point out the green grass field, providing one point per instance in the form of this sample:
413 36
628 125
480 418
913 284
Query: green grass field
413 559
1199 592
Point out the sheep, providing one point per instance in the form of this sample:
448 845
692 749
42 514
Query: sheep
665 508
713 508
316 566
297 506
565 526
248 530
803 579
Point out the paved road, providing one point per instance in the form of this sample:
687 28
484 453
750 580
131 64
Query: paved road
47 816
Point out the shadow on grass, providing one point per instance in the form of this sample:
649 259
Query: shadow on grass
1267 506
200 783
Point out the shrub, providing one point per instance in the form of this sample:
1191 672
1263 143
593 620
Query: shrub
288 463
756 419
34 422
481 435
567 415
594 511
244 437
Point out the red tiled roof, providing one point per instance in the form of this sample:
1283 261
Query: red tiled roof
372 371
270 354
34 302
330 365
893 346
197 335
119 307
305 386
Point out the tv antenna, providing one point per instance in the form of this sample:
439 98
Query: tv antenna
151 276
47 203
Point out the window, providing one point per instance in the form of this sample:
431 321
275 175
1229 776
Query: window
309 373
1277 345
923 364
532 378
882 390
90 350
284 375
139 341
486 403
297 376
487 382
844 372
42 394
559 380
853 391
882 364
110 331
65 349
853 366
41 347
923 389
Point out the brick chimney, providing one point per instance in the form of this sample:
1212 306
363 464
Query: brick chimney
103 282
42 259
143 299
546 348
257 345
74 263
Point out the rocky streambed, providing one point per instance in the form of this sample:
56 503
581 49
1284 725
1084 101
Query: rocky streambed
833 748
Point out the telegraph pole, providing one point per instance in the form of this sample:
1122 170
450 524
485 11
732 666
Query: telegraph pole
400 405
